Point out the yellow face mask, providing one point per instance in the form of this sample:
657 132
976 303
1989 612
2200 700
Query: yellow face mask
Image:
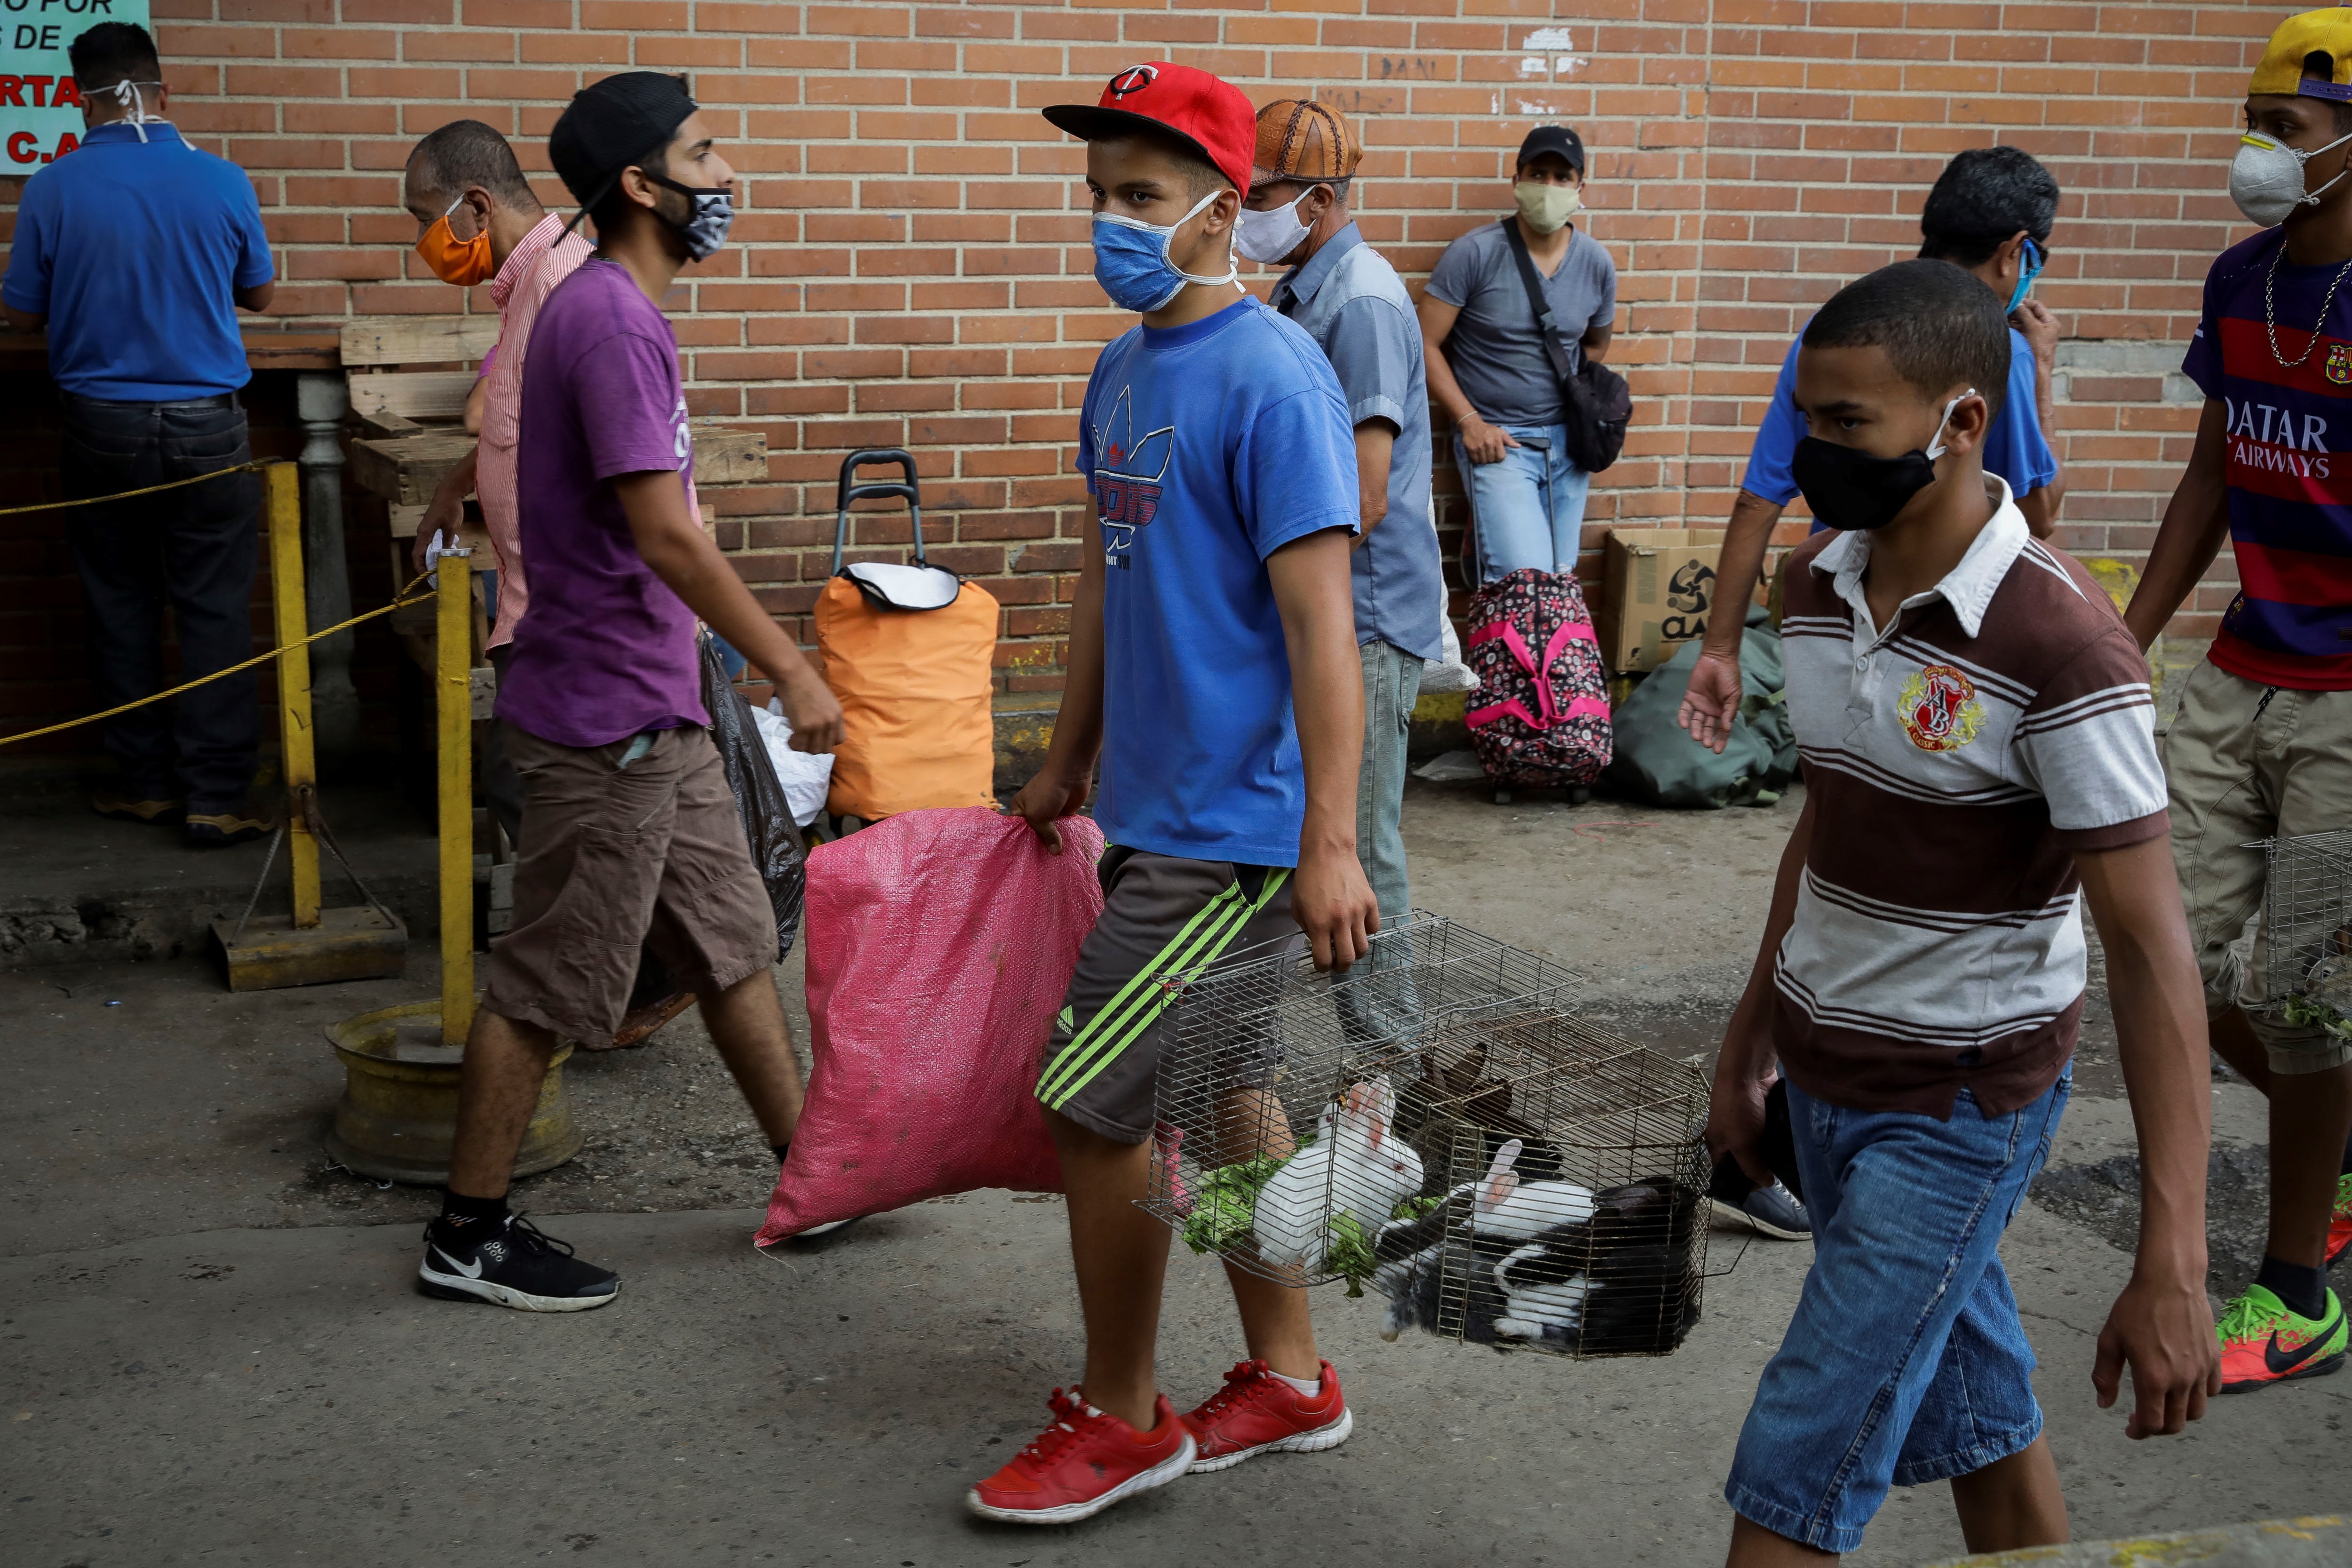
464 263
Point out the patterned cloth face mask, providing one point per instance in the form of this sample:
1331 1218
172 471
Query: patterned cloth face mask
709 215
1131 260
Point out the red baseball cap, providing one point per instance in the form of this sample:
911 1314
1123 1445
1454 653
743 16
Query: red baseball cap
1211 113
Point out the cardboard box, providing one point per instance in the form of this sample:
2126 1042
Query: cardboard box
1657 590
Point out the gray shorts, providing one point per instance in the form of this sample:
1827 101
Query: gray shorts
612 857
1160 912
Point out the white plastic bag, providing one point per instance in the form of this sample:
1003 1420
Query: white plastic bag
807 776
1447 672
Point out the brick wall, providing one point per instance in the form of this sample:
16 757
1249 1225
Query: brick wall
912 265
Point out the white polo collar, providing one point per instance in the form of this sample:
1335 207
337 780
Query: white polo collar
1967 587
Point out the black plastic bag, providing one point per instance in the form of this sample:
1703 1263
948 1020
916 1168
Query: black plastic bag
775 837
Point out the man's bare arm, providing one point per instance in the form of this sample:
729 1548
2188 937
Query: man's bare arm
2196 520
257 298
1060 787
1485 442
1745 1067
670 539
2161 1326
1329 898
24 322
1375 447
1711 700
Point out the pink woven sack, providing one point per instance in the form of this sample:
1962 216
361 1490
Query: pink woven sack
940 944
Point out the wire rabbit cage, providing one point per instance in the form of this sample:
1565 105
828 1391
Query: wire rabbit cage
1438 1124
2302 952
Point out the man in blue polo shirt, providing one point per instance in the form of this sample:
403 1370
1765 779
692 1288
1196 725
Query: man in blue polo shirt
1989 213
136 252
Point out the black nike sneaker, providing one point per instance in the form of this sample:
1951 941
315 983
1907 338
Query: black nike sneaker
514 1264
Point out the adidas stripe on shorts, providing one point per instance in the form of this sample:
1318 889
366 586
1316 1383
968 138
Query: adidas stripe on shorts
1161 914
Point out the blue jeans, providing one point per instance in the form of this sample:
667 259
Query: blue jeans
1391 687
1529 507
1905 1362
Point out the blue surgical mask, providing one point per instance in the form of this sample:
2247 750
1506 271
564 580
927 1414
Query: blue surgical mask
2032 270
1131 260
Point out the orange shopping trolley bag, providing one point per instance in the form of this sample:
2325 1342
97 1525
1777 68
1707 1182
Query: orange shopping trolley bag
910 653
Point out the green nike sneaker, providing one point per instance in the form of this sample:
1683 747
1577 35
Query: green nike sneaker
2262 1342
2339 1222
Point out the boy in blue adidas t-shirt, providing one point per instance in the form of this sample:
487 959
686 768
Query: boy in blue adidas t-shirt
1213 665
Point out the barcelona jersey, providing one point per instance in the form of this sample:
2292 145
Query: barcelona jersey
2287 391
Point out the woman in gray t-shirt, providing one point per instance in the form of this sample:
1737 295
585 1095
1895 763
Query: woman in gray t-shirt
1487 368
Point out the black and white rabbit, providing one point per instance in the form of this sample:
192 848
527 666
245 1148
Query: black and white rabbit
1618 1280
1442 1289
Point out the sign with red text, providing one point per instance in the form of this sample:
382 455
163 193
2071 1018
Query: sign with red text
40 112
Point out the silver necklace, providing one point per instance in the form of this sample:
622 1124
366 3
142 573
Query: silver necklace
2270 311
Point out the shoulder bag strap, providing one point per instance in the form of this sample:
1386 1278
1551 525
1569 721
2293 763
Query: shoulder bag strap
1563 359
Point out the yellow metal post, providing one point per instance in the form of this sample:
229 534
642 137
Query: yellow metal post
296 761
453 684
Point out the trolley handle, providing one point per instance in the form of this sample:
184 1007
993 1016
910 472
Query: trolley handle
852 491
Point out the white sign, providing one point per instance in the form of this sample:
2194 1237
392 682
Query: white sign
40 111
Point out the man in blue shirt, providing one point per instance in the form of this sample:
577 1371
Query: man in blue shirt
135 251
1213 666
1351 302
1990 213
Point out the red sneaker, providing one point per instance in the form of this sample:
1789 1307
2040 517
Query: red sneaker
1258 1413
1083 1463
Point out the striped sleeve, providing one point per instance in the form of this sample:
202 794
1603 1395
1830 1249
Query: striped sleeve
2087 742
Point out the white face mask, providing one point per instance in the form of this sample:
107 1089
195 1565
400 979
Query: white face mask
127 93
2267 178
1271 235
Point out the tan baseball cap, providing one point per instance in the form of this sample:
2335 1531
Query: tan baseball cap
1298 139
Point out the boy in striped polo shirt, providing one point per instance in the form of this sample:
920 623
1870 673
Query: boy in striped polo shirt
2263 743
1974 719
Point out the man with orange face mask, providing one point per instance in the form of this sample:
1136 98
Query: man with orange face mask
479 223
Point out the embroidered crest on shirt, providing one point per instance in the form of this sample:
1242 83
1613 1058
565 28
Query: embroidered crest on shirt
2339 364
1128 475
1940 709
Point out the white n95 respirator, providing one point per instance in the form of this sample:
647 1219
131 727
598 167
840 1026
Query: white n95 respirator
2267 178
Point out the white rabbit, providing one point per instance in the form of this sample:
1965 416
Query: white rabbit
1353 1167
1514 1210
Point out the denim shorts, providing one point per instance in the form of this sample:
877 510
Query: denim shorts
1905 1362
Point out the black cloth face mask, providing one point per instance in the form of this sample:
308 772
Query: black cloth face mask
1854 491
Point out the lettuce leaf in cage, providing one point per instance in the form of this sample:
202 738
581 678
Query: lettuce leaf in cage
1350 1254
2304 1013
1224 1203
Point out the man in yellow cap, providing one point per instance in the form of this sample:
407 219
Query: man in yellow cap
2262 747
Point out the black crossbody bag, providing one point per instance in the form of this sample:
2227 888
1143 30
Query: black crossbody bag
1599 404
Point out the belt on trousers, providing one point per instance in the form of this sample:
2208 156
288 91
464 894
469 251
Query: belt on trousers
219 400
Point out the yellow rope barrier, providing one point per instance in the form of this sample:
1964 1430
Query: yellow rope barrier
401 601
125 495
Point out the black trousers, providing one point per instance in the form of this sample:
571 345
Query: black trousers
195 549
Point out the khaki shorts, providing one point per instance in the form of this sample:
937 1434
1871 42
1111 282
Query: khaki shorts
2241 770
612 857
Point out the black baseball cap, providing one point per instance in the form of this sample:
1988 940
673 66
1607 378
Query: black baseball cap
1556 139
616 123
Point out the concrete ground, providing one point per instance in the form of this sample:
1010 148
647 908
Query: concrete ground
210 1350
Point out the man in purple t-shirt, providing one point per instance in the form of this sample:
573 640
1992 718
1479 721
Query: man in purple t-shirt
630 834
